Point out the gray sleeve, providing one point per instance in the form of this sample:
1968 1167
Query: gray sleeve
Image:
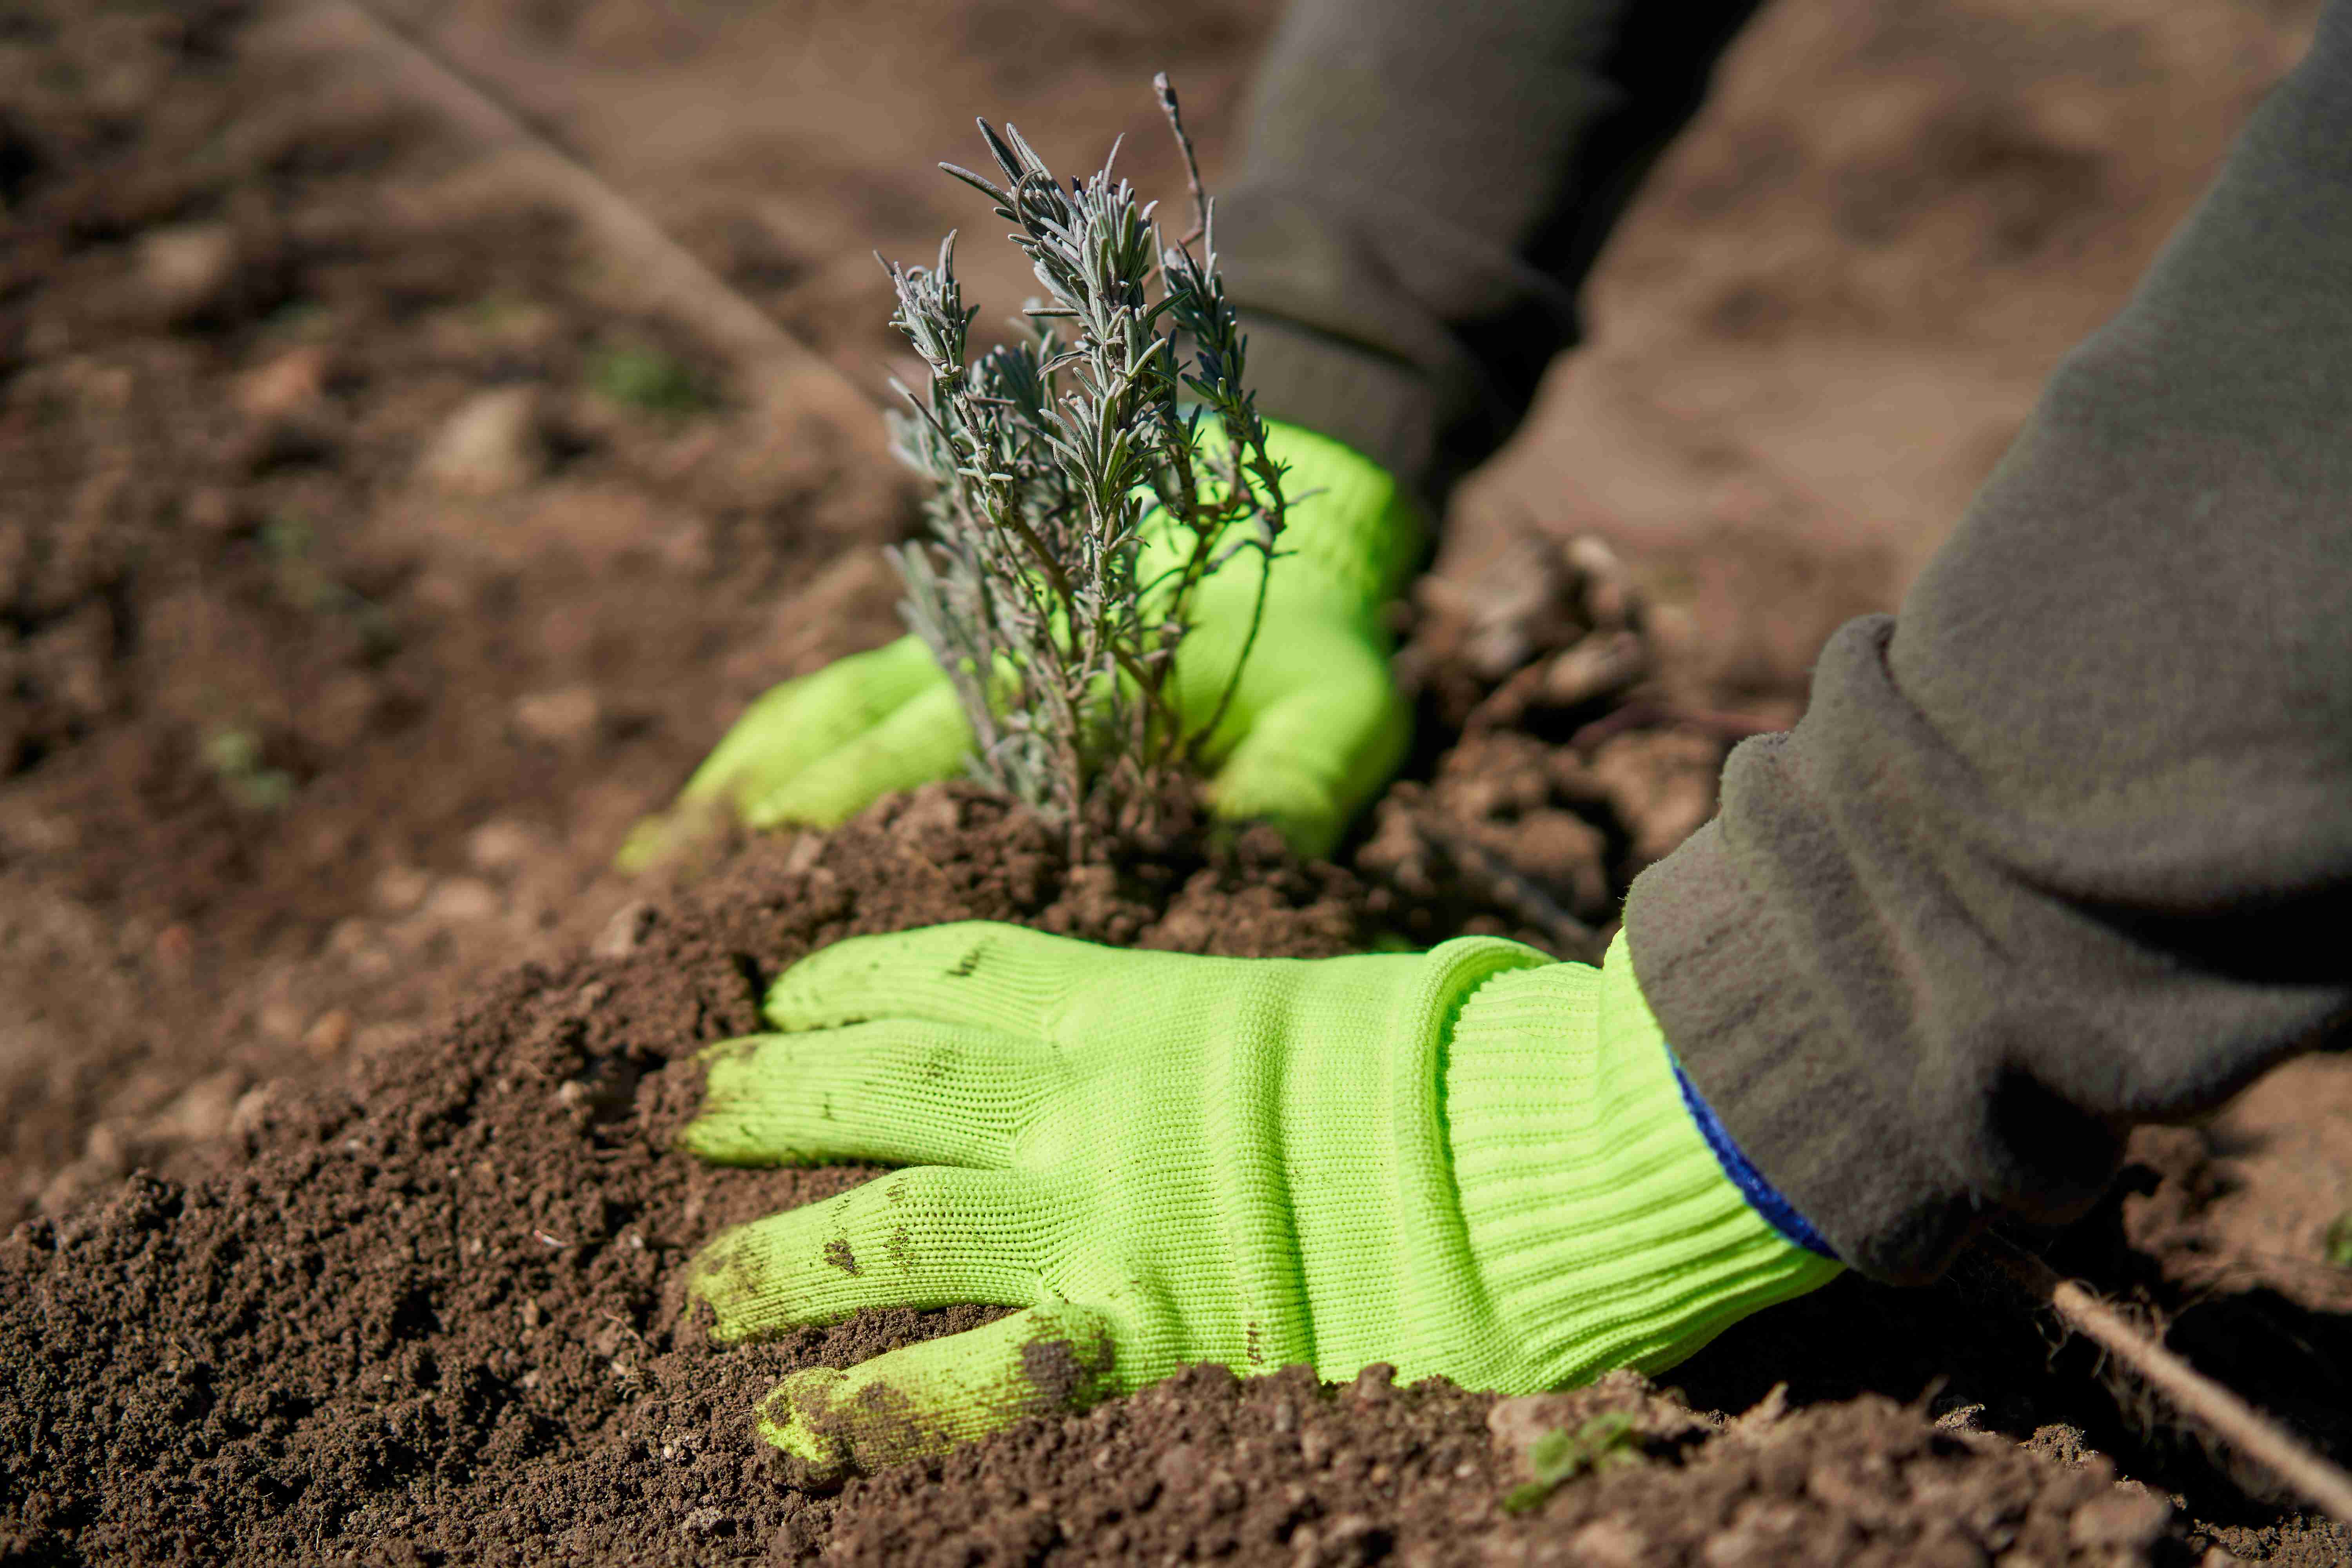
2066 844
1425 185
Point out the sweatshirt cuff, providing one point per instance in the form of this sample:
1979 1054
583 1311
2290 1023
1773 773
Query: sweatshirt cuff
1821 1122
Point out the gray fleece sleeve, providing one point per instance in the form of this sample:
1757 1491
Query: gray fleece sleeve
2066 844
1426 183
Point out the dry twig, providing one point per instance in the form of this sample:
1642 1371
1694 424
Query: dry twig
1514 892
2230 1417
1729 727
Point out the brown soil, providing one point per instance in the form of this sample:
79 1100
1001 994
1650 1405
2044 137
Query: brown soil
1281 1469
438 1306
354 598
434 1316
316 700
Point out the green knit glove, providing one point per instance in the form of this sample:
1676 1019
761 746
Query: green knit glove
1313 731
1473 1163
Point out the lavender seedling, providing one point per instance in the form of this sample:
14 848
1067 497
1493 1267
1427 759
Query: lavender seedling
1054 459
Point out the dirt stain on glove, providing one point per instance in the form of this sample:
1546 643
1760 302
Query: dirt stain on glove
831 1423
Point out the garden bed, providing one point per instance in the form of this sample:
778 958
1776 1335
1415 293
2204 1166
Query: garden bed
435 1316
339 1070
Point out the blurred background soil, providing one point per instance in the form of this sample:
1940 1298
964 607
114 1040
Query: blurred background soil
373 551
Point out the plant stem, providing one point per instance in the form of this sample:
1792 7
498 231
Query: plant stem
1160 85
1200 737
1051 487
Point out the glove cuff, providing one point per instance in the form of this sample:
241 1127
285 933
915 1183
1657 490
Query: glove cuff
1606 1227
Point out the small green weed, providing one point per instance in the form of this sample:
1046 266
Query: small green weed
299 321
498 312
2339 1240
1602 1443
234 757
646 378
288 539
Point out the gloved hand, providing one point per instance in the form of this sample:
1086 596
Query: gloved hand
1313 730
1474 1161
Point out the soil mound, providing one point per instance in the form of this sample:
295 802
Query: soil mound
435 1312
434 1316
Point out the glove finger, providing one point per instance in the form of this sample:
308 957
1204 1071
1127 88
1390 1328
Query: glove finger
1002 977
792 725
927 1237
926 737
785 729
923 1399
660 837
904 1092
1314 755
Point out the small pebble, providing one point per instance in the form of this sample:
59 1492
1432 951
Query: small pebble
187 268
490 446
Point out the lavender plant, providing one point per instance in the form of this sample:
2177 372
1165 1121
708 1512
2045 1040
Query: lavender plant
1055 459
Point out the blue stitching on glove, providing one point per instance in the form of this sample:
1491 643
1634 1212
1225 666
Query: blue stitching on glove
1761 1195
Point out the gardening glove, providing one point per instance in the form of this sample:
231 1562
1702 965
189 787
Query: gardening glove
1473 1162
1314 728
